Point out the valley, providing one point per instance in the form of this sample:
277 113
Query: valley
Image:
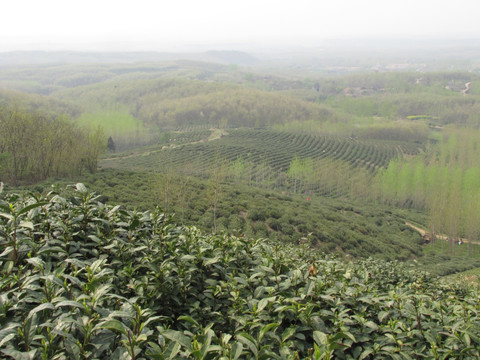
224 206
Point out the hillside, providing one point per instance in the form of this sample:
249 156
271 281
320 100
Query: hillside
274 149
203 135
86 280
351 229
173 103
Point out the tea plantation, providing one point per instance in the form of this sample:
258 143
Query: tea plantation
84 280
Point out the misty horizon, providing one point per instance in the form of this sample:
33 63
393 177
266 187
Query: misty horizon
185 25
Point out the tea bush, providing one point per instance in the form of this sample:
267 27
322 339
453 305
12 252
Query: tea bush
85 280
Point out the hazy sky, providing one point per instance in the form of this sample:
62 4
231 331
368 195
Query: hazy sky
180 24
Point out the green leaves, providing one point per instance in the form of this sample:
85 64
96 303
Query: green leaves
42 307
113 325
99 282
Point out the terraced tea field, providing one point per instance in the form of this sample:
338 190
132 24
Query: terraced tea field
270 151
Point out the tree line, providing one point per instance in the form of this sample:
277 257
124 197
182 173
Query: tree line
445 182
35 146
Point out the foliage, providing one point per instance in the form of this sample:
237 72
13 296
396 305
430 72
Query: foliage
444 181
83 280
344 226
34 147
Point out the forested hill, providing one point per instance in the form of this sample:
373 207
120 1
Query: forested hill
173 104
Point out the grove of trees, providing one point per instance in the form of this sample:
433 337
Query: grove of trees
445 181
34 146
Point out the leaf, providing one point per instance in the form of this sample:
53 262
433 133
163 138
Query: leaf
95 239
249 341
151 319
97 264
7 216
206 344
30 207
288 333
365 353
309 288
26 224
52 278
7 338
113 325
155 351
328 298
211 261
237 349
45 306
114 210
140 248
75 262
70 303
344 335
371 325
101 291
7 251
72 348
37 262
122 314
261 304
5 207
189 319
382 315
172 350
17 355
8 333
265 329
141 338
73 279
267 269
320 338
178 337
431 338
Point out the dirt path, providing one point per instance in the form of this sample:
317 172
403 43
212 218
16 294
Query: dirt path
467 88
438 236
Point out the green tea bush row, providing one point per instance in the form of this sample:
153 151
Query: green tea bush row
84 280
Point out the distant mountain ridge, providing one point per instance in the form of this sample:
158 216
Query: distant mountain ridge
19 58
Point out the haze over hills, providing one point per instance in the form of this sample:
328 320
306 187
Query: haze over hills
356 54
18 58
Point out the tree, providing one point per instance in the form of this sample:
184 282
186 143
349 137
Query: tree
92 146
111 145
